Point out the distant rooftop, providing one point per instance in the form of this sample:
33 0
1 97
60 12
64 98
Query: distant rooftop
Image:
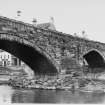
49 25
46 26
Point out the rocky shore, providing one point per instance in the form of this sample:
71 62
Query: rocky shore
65 83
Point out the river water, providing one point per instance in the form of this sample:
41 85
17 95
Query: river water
10 95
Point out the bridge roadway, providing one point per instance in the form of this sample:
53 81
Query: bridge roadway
49 51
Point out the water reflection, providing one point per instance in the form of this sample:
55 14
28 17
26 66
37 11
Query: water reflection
10 95
56 96
5 94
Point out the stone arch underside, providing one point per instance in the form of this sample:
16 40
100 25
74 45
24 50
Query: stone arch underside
33 58
95 60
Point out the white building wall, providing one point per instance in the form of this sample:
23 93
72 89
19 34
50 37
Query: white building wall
5 59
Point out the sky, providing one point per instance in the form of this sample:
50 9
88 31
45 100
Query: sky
70 16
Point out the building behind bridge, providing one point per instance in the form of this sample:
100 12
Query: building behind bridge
6 59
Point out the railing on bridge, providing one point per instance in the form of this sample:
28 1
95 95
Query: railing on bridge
11 25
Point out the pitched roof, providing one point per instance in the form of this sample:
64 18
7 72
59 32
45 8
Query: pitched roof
46 26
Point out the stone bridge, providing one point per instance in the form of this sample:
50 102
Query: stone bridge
49 51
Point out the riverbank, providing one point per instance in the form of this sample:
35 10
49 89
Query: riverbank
49 83
66 83
74 81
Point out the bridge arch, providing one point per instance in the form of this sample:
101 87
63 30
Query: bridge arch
95 58
34 57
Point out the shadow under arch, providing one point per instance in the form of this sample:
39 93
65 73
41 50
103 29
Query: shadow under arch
34 59
94 59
